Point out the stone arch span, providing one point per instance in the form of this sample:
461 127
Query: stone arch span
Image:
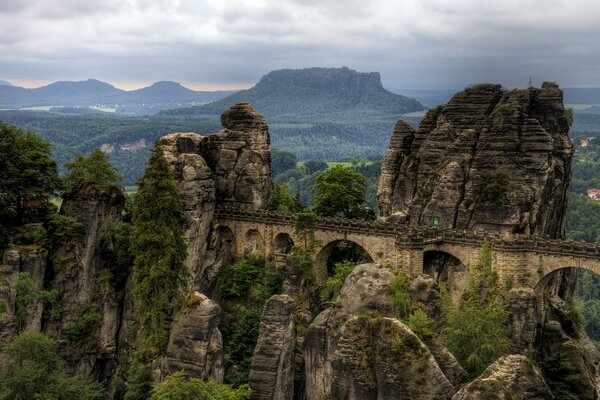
336 251
283 243
254 242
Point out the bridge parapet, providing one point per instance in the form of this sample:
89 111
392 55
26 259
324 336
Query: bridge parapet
417 237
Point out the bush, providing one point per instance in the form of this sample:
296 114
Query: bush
239 347
24 296
493 188
139 383
81 326
476 329
400 296
334 283
33 370
237 279
179 387
421 324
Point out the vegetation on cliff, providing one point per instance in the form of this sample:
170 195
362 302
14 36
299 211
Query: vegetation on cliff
28 177
94 170
160 276
476 329
33 370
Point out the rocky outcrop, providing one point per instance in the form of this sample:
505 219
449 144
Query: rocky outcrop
331 365
89 318
381 358
240 158
489 159
272 369
197 191
230 168
195 342
31 262
510 377
366 290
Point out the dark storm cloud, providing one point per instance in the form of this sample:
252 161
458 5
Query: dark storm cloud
413 43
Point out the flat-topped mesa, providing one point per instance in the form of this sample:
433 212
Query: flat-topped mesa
489 159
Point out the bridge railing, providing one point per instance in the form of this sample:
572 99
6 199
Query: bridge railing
419 236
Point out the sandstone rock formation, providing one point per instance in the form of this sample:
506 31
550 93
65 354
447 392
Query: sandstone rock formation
381 358
330 363
197 191
510 377
15 262
366 290
489 159
195 342
229 168
89 316
272 369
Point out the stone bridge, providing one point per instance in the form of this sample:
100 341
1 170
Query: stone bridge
521 261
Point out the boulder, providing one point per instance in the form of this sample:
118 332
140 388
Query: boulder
513 377
381 358
272 369
195 342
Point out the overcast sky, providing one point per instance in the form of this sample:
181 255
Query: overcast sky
231 44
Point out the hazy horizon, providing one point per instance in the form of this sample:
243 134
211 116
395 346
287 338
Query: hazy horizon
208 45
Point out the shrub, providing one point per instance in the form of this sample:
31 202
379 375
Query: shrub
33 370
421 324
239 347
400 296
24 296
334 283
83 325
179 387
237 279
493 188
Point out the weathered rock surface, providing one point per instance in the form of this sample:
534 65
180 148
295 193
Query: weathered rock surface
13 263
366 290
381 358
230 168
510 377
240 158
197 192
195 342
329 368
489 159
272 369
579 353
89 317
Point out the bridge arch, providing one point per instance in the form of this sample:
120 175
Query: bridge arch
254 242
283 243
337 251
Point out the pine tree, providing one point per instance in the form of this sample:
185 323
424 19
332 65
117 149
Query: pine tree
160 276
89 171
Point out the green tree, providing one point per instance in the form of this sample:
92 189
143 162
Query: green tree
160 276
476 329
340 191
33 370
94 170
281 200
282 161
312 166
179 387
27 178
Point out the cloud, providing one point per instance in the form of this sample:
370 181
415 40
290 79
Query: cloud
413 43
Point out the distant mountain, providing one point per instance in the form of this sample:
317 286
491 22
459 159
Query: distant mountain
429 98
312 93
5 83
582 95
94 92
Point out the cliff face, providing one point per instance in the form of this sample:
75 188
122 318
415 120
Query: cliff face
489 159
89 320
231 167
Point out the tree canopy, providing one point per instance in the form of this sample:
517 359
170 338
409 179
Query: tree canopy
160 276
340 191
27 178
33 370
90 171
